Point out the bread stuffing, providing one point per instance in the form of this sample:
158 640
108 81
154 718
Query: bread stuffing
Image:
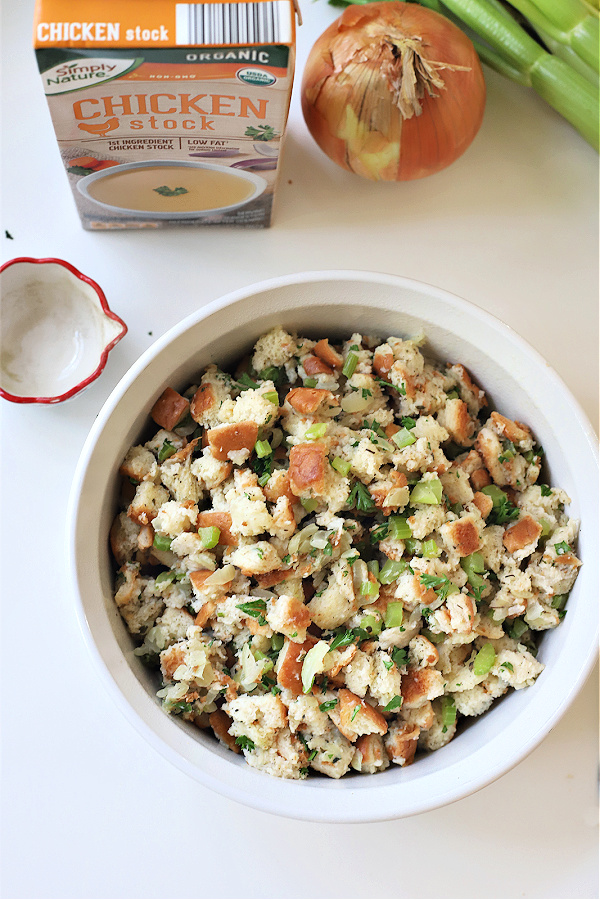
337 553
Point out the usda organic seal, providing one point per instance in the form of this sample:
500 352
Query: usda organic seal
256 76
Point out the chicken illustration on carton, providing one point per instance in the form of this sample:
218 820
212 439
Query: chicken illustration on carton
168 113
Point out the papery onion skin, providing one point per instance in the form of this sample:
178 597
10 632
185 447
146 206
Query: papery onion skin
343 95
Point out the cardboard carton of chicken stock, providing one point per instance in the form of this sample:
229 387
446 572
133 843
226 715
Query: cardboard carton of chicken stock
168 113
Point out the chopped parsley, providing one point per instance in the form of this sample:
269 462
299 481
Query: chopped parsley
254 608
400 656
360 497
355 712
561 548
329 704
545 490
165 191
342 639
441 584
244 742
394 703
408 422
380 532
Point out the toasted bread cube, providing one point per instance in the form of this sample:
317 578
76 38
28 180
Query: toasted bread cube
169 409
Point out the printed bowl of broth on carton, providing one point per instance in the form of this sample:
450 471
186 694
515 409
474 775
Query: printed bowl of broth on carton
157 108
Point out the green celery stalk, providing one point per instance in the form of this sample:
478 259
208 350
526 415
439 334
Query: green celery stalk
568 92
567 22
569 55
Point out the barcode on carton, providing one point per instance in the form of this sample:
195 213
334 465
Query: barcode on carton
268 22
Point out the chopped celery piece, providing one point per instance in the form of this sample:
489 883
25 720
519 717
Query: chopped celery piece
484 660
429 492
309 504
165 578
350 365
313 663
262 449
448 711
277 641
209 536
518 629
430 549
559 600
546 527
264 478
167 450
474 566
497 494
399 528
403 438
412 546
310 382
434 638
272 397
371 625
373 567
392 570
393 615
271 373
315 431
162 542
368 589
341 465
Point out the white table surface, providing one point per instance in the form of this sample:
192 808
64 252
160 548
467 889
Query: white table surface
89 809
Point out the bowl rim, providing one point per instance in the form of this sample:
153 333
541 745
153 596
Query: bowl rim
259 188
264 800
59 398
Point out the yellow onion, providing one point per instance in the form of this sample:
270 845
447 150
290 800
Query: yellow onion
393 91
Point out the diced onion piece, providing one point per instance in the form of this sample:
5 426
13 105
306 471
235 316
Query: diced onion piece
393 615
301 536
355 402
403 438
385 445
484 660
209 536
221 576
341 465
399 529
360 574
313 664
395 497
428 492
276 438
319 540
392 570
350 364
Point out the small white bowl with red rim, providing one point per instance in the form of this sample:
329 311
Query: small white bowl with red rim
57 330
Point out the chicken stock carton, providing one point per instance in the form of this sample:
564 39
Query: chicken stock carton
168 113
